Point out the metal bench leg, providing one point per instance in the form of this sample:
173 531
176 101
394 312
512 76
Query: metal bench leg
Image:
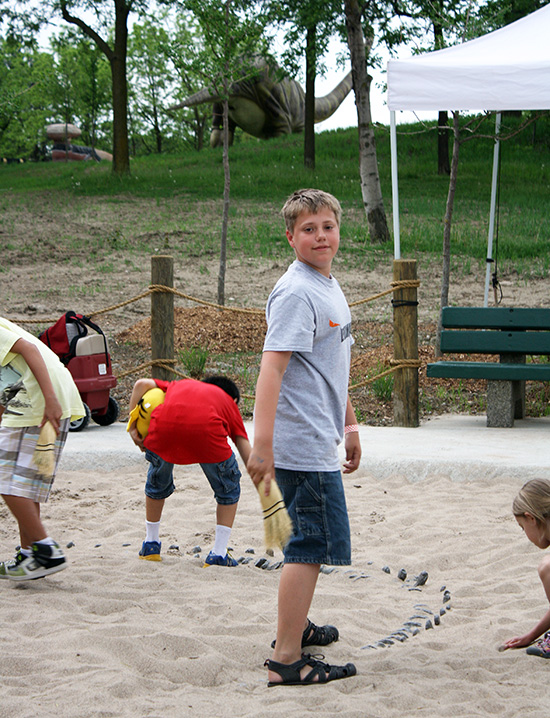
501 403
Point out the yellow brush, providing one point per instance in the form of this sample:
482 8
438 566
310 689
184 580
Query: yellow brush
44 453
277 523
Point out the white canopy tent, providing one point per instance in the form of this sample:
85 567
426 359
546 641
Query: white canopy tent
508 69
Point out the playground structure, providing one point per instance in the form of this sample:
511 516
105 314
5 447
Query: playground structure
64 150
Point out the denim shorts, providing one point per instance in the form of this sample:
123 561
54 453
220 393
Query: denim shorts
224 478
316 504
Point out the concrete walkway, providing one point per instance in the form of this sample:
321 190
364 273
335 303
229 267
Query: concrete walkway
458 446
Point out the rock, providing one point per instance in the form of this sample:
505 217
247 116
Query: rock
402 574
386 569
421 579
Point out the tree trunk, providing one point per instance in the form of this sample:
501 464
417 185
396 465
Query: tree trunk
446 273
225 214
368 165
309 119
443 166
121 153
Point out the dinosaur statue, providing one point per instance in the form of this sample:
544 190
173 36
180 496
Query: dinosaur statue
266 105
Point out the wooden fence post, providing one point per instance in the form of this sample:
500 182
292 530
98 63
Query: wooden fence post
405 345
162 315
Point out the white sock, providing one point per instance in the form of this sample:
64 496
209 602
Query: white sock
48 541
26 552
153 528
222 539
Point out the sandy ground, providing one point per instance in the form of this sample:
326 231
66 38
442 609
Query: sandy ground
116 637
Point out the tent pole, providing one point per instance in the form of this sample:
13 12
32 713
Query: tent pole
492 212
394 187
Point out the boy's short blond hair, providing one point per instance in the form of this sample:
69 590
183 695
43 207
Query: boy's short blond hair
309 200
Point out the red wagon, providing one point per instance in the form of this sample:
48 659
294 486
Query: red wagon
82 346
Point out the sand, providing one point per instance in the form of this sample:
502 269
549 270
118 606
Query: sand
114 636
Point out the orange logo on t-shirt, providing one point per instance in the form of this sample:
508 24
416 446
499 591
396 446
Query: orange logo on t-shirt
332 324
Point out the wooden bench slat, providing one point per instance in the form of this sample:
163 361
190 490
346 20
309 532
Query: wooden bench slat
495 342
496 317
489 370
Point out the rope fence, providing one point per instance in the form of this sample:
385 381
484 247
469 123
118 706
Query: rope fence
168 364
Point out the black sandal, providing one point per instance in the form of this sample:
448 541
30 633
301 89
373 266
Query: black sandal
320 672
317 635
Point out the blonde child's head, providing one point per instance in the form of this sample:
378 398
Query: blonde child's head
533 498
311 201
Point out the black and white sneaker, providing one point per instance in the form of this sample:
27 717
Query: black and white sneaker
45 559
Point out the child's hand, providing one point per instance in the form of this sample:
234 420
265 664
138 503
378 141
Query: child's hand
516 642
136 438
52 413
353 452
261 466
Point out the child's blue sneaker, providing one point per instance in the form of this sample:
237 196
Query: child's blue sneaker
213 560
150 551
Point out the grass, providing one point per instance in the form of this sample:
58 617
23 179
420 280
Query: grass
264 173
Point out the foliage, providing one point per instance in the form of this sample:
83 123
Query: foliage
383 385
27 81
148 82
83 87
297 16
193 359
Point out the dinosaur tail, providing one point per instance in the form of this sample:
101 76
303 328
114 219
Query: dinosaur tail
200 97
327 105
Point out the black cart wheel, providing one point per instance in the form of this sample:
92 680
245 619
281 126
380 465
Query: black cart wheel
82 423
110 416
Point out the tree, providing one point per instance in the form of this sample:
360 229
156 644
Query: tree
27 89
116 54
84 96
232 32
105 22
184 46
368 165
310 24
148 69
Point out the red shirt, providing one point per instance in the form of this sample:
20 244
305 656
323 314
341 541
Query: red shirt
193 423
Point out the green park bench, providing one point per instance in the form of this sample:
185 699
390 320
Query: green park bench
511 332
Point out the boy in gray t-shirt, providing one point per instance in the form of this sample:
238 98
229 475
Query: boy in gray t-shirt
302 413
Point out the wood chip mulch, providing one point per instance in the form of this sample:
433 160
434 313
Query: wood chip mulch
219 331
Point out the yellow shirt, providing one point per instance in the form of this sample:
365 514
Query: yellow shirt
29 401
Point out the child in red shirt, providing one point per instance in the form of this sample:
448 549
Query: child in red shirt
189 425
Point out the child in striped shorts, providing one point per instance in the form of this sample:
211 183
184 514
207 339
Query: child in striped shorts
37 394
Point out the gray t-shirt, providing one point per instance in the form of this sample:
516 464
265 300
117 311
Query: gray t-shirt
307 314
